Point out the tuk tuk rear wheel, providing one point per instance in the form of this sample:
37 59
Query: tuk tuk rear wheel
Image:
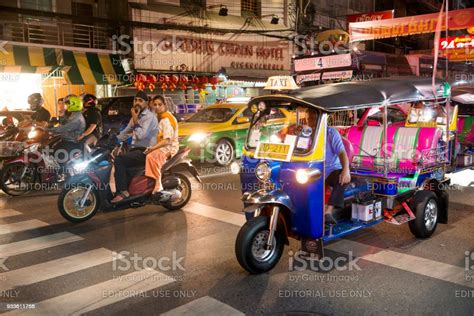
426 209
250 246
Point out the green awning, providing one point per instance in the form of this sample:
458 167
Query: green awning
27 59
93 68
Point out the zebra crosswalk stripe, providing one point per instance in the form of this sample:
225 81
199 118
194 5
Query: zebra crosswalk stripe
43 242
21 226
87 299
8 213
204 306
55 268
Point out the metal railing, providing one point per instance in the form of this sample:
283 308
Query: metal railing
53 32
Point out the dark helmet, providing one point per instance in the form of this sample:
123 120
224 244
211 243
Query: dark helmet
35 101
89 100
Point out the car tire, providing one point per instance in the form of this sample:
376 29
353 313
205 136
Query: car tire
224 153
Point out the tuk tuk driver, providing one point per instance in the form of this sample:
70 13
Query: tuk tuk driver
337 163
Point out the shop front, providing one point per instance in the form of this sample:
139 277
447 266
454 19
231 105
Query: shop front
207 68
54 72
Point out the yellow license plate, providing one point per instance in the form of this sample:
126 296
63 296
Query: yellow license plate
274 151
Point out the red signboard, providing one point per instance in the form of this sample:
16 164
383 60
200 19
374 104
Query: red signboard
418 24
458 48
457 42
372 16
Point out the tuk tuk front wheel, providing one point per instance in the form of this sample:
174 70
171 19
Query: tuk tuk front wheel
425 206
250 246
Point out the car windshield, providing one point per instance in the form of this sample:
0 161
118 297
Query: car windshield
214 115
297 130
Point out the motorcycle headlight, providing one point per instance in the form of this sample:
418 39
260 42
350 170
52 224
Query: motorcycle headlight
33 134
80 166
263 171
198 137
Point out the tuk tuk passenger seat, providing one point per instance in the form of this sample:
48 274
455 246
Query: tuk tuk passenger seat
406 149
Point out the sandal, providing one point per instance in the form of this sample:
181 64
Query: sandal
119 197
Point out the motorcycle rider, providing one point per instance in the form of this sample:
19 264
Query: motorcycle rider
93 120
143 127
73 128
167 144
40 114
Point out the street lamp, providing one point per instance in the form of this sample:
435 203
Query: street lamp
275 19
222 11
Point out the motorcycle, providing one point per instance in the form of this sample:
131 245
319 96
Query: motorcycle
88 191
31 167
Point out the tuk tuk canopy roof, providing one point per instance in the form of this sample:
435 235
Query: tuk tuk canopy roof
360 94
463 94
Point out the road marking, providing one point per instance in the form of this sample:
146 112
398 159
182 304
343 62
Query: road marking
102 294
55 268
204 306
21 226
215 213
24 246
8 213
433 269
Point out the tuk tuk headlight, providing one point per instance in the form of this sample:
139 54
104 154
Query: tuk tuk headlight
235 168
302 176
305 175
263 171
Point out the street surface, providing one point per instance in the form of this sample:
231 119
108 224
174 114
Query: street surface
149 261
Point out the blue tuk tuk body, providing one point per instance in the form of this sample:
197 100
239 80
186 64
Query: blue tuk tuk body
281 205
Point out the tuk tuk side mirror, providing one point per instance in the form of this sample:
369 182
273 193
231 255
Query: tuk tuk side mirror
242 120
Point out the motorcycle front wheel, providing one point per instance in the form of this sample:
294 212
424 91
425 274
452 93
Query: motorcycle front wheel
17 178
71 204
250 246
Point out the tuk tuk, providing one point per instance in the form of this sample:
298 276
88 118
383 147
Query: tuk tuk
397 169
463 98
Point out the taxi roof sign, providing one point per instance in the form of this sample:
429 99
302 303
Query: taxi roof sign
281 83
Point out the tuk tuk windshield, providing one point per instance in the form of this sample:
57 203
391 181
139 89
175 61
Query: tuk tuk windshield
296 131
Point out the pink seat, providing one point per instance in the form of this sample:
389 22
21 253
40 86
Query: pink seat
406 148
349 148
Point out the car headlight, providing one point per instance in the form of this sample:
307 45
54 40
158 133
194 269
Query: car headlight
263 171
198 137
